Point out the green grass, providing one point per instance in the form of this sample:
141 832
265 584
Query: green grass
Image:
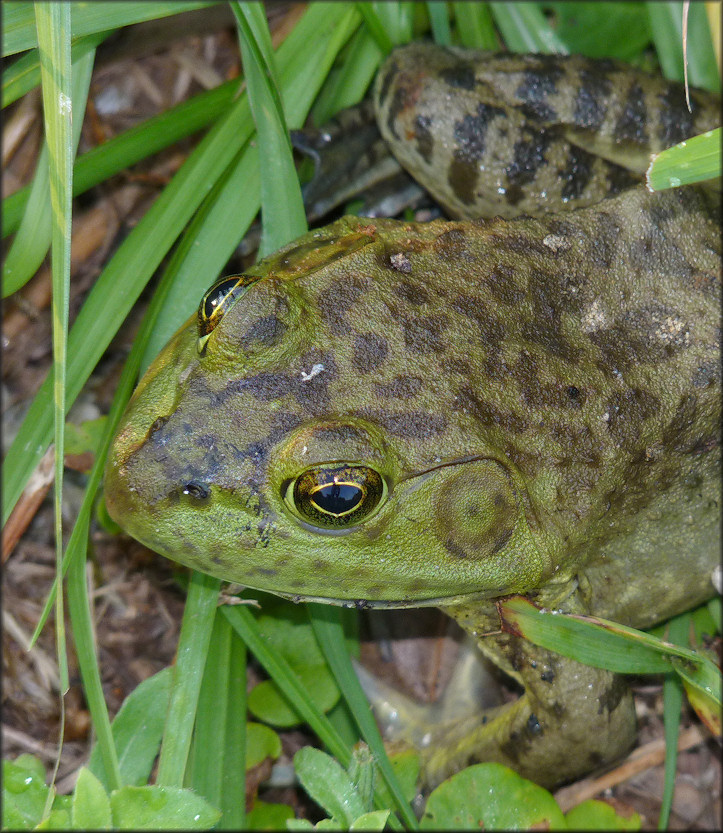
191 230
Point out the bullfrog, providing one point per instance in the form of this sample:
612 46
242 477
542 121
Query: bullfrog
523 399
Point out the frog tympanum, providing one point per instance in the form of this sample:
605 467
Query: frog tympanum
386 413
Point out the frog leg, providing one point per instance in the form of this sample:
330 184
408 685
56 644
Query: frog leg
570 719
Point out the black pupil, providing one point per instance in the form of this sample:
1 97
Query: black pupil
216 296
337 498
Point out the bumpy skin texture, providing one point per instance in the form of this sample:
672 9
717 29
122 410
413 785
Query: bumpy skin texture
541 398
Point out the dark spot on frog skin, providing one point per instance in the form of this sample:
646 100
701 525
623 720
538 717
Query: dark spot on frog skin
706 374
610 699
577 173
501 541
267 331
413 425
423 334
501 283
424 138
591 99
401 99
391 72
454 549
527 158
627 411
676 122
461 76
538 84
370 352
470 134
414 293
401 387
631 125
548 676
452 245
336 299
486 413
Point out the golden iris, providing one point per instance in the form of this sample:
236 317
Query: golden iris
336 496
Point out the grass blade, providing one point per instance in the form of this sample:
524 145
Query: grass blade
32 240
87 18
24 74
474 25
53 32
193 643
326 621
694 160
282 206
524 28
134 145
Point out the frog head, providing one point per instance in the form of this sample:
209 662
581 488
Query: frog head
291 437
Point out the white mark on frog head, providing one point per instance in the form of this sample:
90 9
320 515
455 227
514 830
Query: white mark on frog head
594 319
556 243
315 371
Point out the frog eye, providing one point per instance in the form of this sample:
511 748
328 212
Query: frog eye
217 302
335 496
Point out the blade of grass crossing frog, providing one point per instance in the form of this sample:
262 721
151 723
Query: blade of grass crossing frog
87 18
439 19
282 207
694 160
475 27
134 145
193 644
672 704
327 26
30 244
525 28
53 31
216 767
623 650
326 621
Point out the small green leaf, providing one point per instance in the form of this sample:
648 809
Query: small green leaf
268 703
261 743
599 815
328 784
24 795
91 805
375 820
59 819
86 436
158 808
490 797
263 816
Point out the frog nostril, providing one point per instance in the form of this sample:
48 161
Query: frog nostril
197 490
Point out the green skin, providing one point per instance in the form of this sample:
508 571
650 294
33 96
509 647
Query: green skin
540 396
